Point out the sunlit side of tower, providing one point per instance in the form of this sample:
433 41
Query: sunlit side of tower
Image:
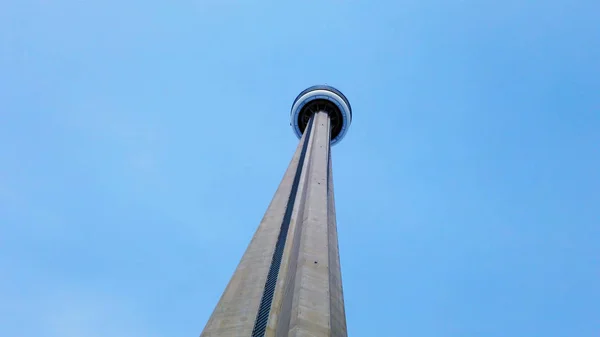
288 282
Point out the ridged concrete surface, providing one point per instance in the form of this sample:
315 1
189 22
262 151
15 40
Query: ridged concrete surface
308 298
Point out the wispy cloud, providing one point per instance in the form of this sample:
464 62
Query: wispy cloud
69 312
90 314
132 134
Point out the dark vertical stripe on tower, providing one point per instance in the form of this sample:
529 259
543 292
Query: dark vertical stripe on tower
260 325
329 229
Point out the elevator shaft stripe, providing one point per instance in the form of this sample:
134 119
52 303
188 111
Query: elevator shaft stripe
260 325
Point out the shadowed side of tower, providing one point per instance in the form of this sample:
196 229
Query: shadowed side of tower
288 282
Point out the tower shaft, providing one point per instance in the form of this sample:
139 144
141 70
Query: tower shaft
288 282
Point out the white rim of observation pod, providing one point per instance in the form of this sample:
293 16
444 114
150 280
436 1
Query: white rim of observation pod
322 94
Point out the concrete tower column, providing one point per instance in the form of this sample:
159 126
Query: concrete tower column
288 282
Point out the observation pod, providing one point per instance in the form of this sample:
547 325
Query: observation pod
322 98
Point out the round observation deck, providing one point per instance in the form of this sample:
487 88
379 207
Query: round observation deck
322 98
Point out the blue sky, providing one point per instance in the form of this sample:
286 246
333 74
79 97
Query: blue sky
141 142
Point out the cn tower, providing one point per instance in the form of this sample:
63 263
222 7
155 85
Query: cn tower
288 282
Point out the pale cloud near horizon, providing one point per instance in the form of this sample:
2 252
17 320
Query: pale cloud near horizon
95 315
55 308
73 312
